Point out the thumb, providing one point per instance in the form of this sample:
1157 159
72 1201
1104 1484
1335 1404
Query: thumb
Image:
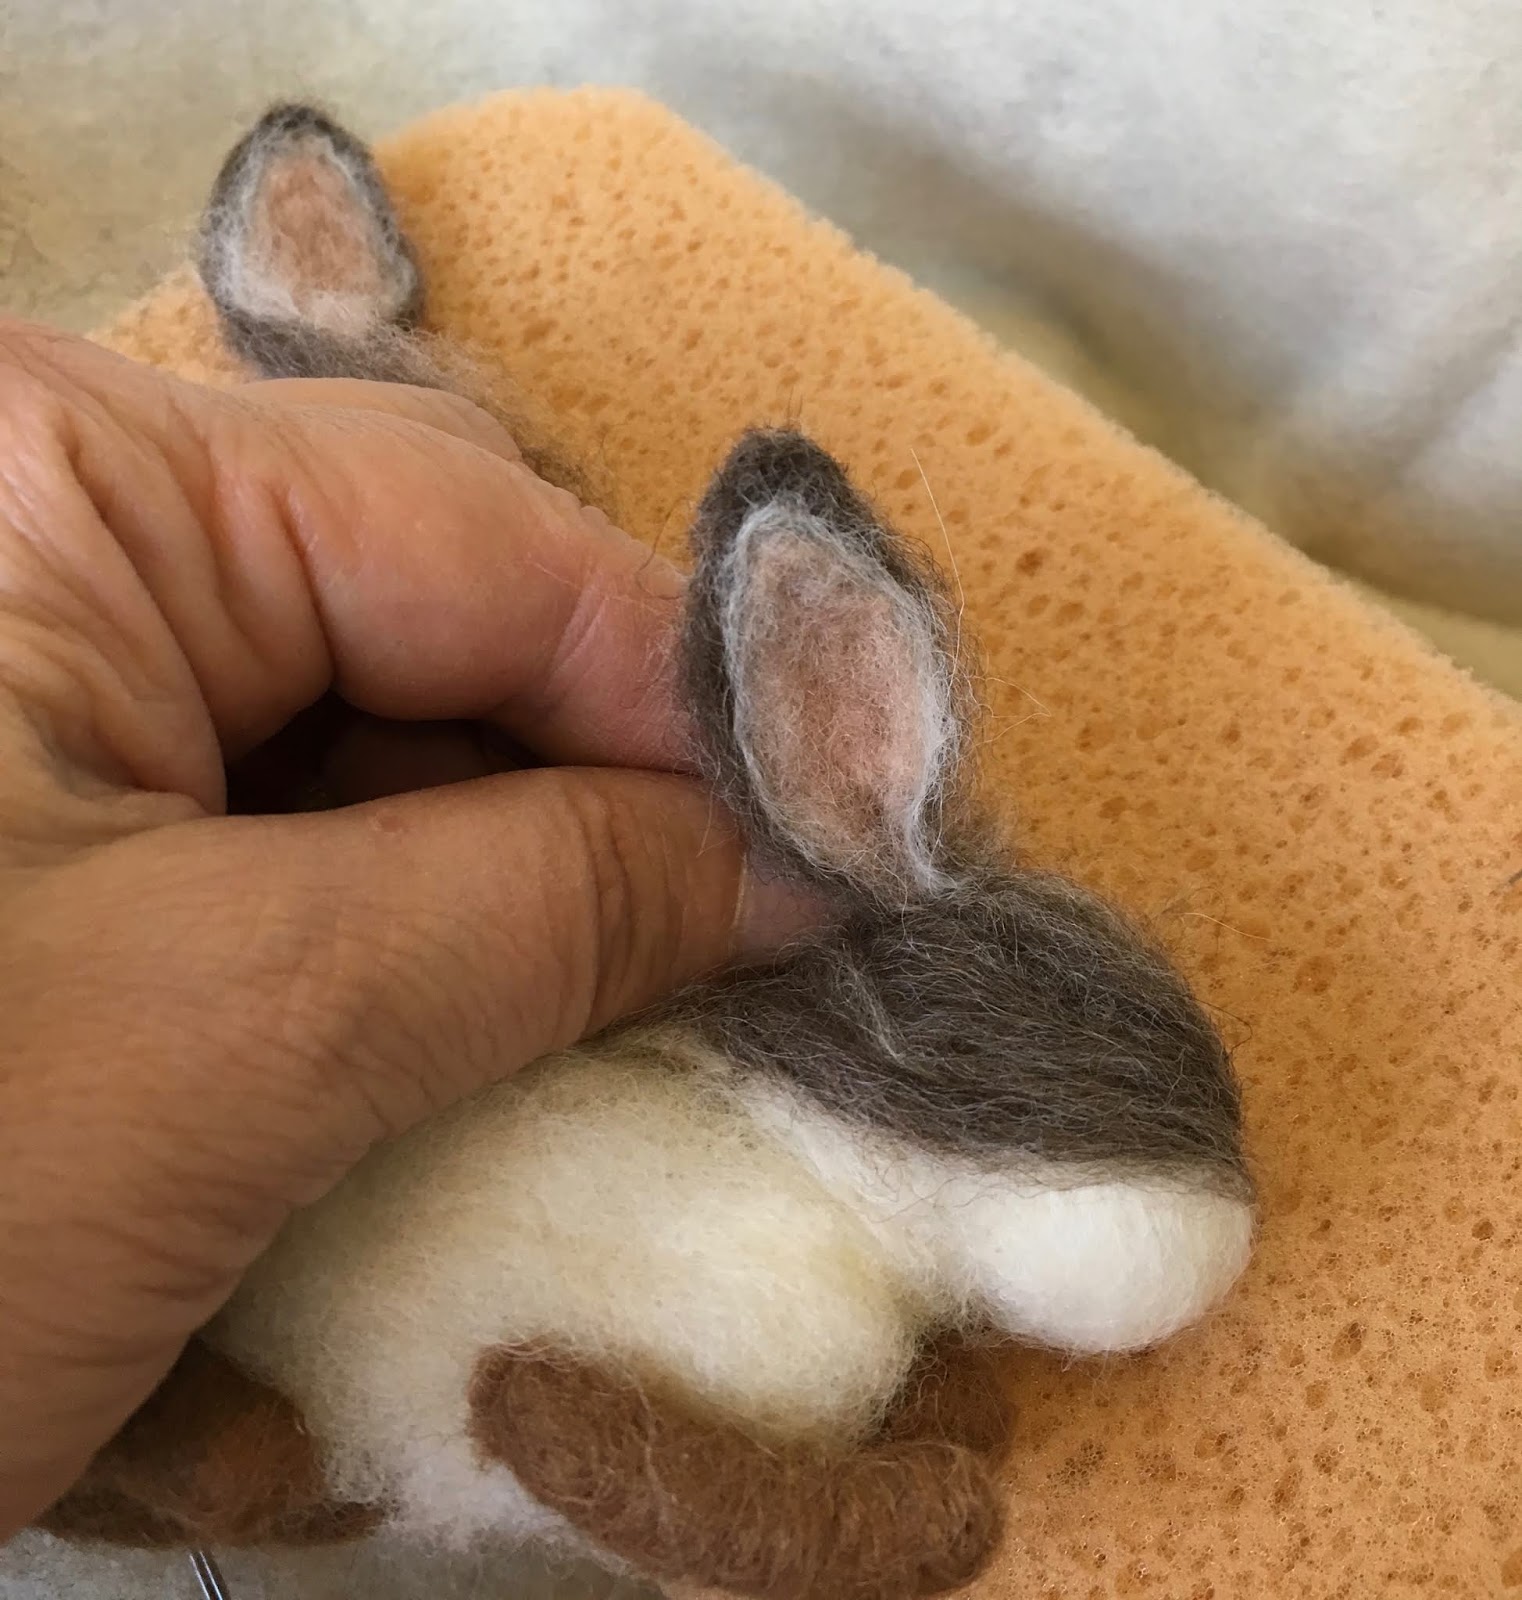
462 932
308 985
436 941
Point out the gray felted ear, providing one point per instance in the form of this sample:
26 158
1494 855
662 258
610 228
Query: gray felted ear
301 253
820 674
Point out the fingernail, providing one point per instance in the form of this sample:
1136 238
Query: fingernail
771 913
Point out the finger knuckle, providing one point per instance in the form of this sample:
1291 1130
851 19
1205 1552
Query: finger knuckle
631 908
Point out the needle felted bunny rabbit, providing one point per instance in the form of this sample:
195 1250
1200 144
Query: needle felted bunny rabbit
701 1296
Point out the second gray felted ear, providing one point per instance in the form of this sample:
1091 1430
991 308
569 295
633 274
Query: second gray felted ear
301 253
820 674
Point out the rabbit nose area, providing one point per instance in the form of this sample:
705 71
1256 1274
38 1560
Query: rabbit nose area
1097 1267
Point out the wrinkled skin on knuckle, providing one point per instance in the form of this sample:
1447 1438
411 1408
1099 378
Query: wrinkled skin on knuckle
267 630
84 647
46 613
631 893
582 867
152 585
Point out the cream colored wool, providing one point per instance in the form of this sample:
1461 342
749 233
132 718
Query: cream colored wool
602 1200
1084 1266
639 1204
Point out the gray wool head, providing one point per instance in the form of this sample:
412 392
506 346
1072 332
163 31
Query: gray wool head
964 1004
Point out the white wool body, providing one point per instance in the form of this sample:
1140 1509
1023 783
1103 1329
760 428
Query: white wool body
640 1203
611 1200
1048 1253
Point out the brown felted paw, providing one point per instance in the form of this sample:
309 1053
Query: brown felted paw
691 1498
212 1457
954 1392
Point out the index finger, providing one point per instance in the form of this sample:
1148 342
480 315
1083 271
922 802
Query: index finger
248 552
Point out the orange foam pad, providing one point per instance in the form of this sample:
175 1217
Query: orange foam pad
1321 817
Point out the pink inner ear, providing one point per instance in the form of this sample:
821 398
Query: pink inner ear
311 232
842 711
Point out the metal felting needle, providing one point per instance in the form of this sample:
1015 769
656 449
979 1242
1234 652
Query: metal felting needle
205 1569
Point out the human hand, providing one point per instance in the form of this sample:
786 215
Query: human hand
209 1018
